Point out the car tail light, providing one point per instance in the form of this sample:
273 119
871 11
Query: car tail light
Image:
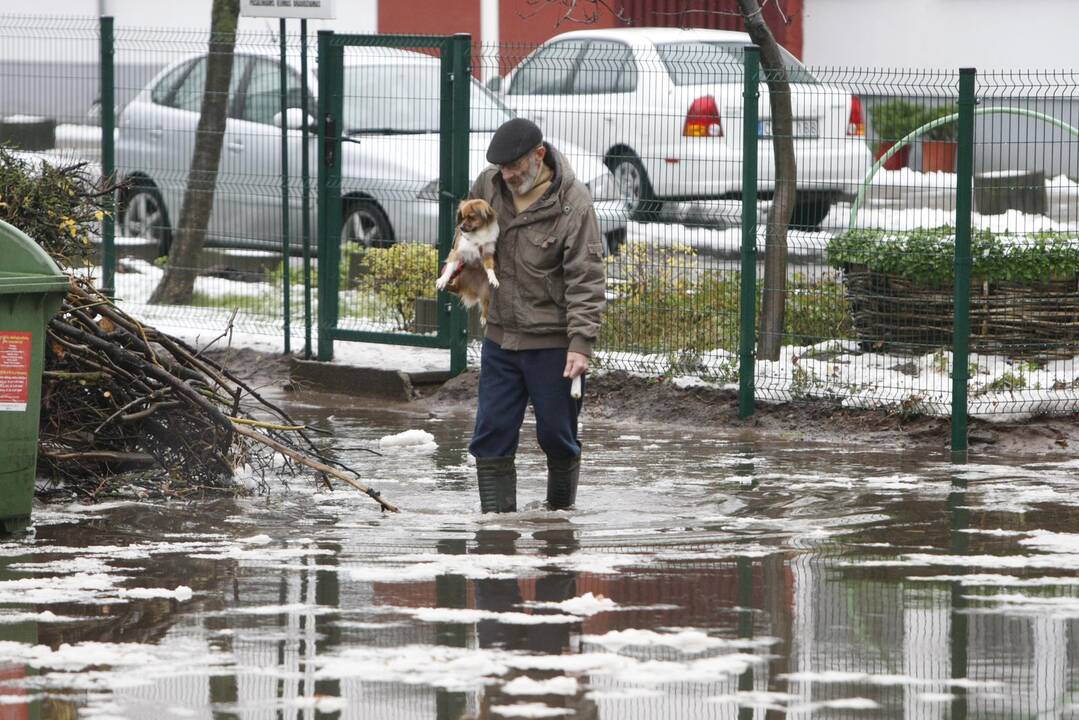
702 120
856 121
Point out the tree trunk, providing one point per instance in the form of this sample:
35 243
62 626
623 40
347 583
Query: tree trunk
773 302
178 283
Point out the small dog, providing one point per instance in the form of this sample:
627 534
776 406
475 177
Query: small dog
470 267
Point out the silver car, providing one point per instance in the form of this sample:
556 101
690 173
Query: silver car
390 162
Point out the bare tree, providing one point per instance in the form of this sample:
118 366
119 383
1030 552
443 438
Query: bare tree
773 302
178 283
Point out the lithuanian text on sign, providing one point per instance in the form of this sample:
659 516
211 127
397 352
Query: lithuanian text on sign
313 9
14 370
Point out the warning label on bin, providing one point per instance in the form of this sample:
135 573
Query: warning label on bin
14 370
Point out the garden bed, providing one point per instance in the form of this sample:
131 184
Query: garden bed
1024 298
1009 318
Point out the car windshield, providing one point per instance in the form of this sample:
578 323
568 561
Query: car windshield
697 63
404 99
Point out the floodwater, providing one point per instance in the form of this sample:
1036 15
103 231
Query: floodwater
703 575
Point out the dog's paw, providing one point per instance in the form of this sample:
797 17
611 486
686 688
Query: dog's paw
493 280
440 284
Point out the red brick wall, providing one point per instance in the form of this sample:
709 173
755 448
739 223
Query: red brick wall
526 25
429 17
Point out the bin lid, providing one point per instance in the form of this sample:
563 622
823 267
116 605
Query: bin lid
26 267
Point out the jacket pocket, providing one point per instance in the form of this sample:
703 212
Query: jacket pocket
540 251
556 290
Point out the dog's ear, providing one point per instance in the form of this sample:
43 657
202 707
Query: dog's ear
487 212
460 213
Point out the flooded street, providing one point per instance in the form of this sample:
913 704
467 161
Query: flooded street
703 575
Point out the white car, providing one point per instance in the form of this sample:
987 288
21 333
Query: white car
389 163
664 108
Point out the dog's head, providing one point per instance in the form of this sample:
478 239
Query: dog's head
474 214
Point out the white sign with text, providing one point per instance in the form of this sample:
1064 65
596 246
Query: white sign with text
311 9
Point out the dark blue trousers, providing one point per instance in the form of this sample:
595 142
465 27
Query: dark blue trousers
508 380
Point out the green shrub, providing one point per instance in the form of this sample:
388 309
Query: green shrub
664 305
927 256
895 119
58 206
399 274
948 132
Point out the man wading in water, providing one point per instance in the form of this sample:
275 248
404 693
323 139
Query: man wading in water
544 315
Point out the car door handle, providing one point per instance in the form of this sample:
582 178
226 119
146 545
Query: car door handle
157 133
235 146
608 118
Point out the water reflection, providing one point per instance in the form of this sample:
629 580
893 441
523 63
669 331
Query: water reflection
702 577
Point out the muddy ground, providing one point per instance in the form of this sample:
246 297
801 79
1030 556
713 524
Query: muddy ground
618 396
623 397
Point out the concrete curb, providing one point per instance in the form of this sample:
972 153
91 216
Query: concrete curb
374 383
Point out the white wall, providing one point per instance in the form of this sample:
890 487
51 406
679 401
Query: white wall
985 34
353 16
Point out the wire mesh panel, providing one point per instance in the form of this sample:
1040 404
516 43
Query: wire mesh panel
897 253
181 143
653 128
49 67
1024 247
833 345
855 192
390 187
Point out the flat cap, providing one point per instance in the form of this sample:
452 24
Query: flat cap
512 140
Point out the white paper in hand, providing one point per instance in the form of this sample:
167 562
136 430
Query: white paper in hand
575 388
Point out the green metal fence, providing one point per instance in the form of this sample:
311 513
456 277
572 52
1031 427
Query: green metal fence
397 145
968 206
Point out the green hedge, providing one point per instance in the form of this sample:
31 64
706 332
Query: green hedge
927 256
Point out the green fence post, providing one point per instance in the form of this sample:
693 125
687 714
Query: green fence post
747 334
286 278
964 180
305 179
330 89
108 157
459 85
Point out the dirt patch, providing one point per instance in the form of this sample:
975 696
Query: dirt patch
619 396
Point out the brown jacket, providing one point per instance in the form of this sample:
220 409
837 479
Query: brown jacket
552 280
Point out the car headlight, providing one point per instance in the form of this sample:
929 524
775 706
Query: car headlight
604 187
429 191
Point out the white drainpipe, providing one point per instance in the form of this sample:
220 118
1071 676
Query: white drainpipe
489 56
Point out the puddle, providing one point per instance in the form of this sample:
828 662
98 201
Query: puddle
702 576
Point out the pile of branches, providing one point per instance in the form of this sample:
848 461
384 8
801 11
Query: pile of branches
124 405
124 402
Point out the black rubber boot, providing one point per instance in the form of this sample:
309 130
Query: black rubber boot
498 484
562 475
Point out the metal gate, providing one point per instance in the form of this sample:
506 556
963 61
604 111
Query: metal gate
394 151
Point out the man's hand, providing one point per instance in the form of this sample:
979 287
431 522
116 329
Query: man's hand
576 364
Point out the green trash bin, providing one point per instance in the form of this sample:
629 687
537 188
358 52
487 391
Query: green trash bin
31 290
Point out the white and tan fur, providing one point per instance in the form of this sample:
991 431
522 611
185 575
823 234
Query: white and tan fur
470 267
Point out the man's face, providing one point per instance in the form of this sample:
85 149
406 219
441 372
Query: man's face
522 173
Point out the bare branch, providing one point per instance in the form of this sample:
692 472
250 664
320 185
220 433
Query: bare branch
726 13
590 16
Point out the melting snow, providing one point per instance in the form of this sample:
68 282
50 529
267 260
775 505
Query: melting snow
419 441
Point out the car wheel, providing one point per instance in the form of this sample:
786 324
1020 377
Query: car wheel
143 215
365 224
632 182
809 211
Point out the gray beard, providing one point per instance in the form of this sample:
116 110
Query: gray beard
526 187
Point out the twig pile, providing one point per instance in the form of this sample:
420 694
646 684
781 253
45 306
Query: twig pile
121 400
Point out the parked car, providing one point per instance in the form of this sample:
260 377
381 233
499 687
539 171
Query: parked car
664 108
390 160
